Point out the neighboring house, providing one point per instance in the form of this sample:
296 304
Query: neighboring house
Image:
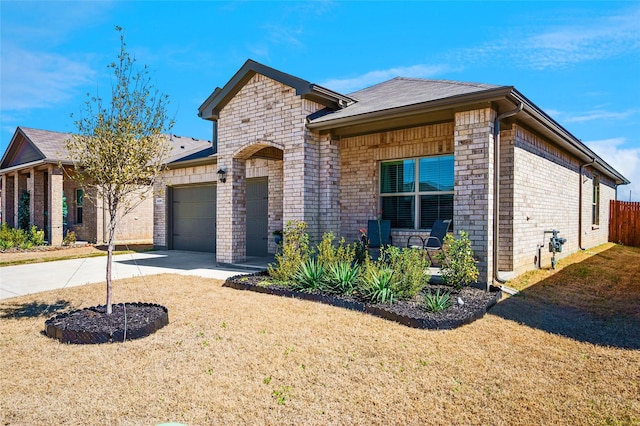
410 150
32 163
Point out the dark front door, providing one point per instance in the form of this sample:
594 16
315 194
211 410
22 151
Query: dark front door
257 217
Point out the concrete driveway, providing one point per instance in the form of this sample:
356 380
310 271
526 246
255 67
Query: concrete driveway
33 278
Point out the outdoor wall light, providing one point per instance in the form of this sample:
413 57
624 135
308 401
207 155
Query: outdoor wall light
222 175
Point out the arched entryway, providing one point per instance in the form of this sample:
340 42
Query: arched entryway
253 197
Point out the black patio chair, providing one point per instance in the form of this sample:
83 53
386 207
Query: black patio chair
434 241
379 234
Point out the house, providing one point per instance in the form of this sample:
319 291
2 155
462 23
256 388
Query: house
32 163
410 150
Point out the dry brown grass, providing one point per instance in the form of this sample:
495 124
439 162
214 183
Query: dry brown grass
50 254
232 357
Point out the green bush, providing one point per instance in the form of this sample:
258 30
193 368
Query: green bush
436 302
36 236
11 237
458 265
24 214
295 251
341 278
330 253
69 239
411 270
377 285
309 277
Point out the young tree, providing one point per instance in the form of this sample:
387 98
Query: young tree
120 147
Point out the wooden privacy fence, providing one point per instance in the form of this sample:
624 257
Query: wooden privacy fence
624 223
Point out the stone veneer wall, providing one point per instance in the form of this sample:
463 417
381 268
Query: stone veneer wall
360 157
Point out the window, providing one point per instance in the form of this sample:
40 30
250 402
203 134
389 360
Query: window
595 206
416 192
79 202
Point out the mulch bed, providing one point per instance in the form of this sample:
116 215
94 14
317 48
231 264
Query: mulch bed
406 312
127 321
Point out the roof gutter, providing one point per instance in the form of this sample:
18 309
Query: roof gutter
571 143
190 163
24 166
403 111
496 189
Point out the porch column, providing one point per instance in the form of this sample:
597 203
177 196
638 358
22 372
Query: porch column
31 189
55 206
301 197
37 198
7 200
329 176
275 201
231 212
473 170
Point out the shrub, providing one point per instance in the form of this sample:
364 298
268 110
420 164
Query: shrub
295 252
309 277
36 237
24 214
377 286
330 253
69 239
436 302
341 278
411 270
458 265
361 248
11 237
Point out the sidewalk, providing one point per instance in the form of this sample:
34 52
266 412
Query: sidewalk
33 278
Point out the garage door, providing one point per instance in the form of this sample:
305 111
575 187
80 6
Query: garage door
193 218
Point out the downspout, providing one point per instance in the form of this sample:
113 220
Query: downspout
496 191
582 166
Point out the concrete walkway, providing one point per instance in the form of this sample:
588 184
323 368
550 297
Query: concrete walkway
33 278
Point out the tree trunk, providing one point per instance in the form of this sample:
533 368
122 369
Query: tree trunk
112 233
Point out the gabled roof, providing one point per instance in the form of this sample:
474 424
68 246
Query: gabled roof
33 145
30 147
402 92
401 101
211 107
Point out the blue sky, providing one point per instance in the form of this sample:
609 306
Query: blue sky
578 61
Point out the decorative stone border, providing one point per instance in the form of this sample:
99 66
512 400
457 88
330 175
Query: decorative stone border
54 327
236 282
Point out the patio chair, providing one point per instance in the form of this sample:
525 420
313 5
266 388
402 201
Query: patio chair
379 234
433 242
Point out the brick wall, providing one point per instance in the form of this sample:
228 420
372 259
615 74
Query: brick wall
360 157
207 174
38 199
473 172
546 197
175 177
266 113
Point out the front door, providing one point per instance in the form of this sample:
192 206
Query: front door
257 217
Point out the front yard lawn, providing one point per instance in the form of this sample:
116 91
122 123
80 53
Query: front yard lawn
234 357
